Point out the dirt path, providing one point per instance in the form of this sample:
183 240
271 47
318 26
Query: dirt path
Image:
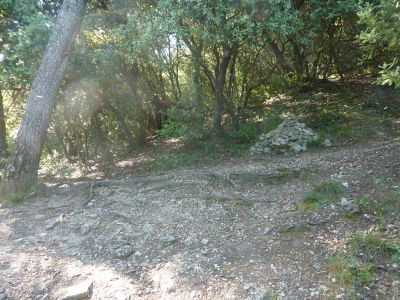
229 231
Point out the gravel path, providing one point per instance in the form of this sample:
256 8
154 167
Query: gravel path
234 230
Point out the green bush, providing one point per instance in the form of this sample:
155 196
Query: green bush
188 125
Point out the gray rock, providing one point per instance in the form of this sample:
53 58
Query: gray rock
297 148
168 239
80 291
204 241
85 229
327 143
261 294
124 251
50 224
291 135
188 242
352 208
344 201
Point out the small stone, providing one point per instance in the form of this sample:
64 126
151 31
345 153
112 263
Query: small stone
327 143
80 291
204 241
345 184
261 294
168 239
124 251
50 224
344 201
297 148
85 229
188 242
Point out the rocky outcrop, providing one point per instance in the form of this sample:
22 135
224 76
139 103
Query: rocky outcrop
289 136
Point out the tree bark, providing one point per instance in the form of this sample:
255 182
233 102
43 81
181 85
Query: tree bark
22 169
3 132
219 84
280 57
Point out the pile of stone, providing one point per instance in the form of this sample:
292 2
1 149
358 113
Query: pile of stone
290 136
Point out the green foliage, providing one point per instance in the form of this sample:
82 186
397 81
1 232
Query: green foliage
350 272
184 124
184 157
322 193
380 38
357 267
368 248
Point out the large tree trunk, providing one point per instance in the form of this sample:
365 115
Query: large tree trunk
219 84
3 135
22 169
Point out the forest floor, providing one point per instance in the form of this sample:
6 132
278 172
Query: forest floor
236 229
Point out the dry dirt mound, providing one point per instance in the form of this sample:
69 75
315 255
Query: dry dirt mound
230 231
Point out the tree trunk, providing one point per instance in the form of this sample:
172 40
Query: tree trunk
280 57
22 169
3 133
220 78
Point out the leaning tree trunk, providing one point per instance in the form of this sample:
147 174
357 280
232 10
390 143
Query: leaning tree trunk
3 135
22 169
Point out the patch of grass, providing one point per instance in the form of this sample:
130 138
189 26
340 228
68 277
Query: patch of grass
390 205
357 266
368 248
350 272
322 193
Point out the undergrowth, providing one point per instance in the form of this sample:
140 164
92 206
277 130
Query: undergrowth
357 263
321 194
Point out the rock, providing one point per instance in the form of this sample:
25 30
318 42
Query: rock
289 136
344 201
79 291
345 184
188 242
124 251
85 229
261 294
50 224
352 209
297 148
3 294
327 143
204 241
168 239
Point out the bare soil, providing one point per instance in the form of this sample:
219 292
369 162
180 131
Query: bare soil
232 230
